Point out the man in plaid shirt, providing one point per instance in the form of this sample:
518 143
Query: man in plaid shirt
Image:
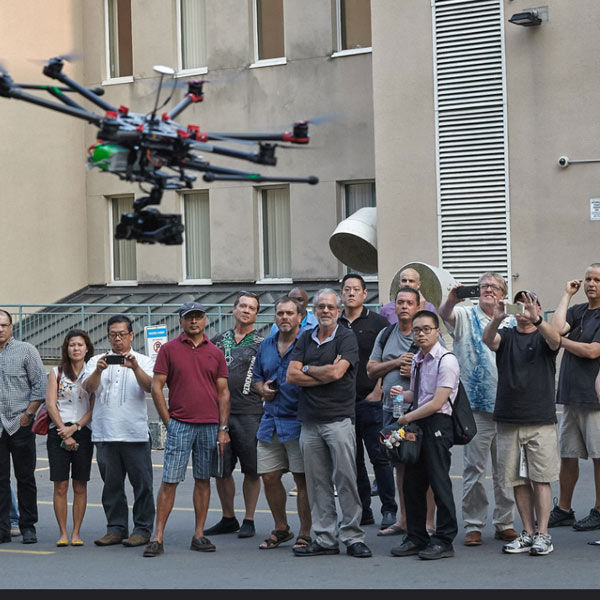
22 390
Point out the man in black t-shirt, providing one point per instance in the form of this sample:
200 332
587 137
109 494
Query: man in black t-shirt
323 363
525 416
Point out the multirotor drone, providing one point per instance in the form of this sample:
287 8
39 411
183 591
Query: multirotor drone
155 149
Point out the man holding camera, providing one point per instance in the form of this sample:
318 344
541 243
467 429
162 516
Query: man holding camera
120 379
525 416
480 378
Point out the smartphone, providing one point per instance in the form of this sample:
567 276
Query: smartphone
468 291
413 348
274 385
115 359
514 309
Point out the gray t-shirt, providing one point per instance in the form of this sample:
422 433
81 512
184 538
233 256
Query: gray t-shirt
396 345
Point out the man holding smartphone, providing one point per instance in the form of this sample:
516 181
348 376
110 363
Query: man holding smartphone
480 378
120 379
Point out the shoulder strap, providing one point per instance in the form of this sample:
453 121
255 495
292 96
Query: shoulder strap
385 336
438 370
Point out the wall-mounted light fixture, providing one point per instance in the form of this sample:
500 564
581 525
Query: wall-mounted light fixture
530 17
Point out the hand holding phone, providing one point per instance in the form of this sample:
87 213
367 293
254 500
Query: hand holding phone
468 291
115 359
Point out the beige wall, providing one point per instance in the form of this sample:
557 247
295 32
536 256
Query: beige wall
41 160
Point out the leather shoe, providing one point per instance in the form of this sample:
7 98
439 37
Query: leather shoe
435 551
202 544
315 549
136 539
110 539
29 536
154 548
406 548
359 550
473 538
367 517
225 525
389 518
506 535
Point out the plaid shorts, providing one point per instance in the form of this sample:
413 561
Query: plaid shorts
182 438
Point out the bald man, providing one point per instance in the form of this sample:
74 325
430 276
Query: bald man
408 277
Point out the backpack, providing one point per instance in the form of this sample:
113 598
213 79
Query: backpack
463 421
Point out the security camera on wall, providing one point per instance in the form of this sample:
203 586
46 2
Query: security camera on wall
563 162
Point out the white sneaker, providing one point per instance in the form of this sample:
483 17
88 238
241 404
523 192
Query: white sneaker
542 544
519 545
293 492
15 531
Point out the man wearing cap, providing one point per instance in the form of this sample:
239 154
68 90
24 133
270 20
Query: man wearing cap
196 419
240 345
525 416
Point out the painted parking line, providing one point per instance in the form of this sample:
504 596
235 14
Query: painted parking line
24 551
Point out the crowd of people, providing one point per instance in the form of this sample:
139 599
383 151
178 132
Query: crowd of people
311 399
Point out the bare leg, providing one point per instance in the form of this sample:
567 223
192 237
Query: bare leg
79 506
302 504
60 508
430 518
164 506
226 490
251 491
401 521
276 498
201 502
569 474
524 498
542 497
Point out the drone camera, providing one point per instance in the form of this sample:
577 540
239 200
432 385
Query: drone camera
149 226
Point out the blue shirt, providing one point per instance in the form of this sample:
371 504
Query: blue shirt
280 414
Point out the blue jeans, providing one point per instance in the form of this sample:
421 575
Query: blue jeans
14 509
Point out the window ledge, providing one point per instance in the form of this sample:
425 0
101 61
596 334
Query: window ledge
196 282
352 51
117 80
125 282
274 280
269 62
190 72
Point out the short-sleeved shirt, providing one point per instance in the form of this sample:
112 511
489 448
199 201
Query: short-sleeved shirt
332 401
192 373
396 344
240 362
366 327
280 414
477 362
120 411
578 374
432 375
526 375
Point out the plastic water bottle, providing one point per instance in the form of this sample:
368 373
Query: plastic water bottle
398 405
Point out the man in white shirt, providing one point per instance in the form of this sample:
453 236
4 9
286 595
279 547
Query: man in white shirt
121 378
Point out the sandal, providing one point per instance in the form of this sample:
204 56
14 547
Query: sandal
302 541
280 535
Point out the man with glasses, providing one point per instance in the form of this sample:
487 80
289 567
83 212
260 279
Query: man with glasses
120 379
323 363
433 382
240 345
480 378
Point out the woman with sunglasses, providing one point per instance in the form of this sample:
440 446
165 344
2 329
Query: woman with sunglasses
69 442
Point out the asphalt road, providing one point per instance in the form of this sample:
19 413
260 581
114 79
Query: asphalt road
239 564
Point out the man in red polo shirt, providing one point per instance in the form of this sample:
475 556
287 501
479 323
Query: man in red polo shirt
195 371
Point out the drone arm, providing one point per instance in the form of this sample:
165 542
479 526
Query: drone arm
266 155
54 91
258 178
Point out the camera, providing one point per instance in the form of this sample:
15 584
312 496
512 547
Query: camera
563 161
115 359
150 226
468 291
514 309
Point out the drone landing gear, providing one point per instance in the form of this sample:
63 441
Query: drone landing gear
148 225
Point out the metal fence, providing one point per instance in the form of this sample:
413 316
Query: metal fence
45 325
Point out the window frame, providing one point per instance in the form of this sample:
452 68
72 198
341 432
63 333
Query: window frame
264 62
181 72
108 79
185 281
338 37
111 227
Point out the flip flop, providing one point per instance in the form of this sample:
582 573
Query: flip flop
76 543
392 530
62 543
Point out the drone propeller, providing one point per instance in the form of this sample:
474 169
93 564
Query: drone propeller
70 57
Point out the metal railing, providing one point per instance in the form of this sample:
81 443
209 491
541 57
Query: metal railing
45 325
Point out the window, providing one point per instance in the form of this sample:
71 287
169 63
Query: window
269 47
118 33
196 217
276 249
353 26
355 197
123 251
191 32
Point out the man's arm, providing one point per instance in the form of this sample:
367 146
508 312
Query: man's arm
376 369
446 309
429 408
92 382
144 379
490 336
158 383
581 349
317 375
559 318
550 335
223 399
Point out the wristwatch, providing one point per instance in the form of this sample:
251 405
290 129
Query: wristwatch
305 369
77 425
539 321
30 415
224 428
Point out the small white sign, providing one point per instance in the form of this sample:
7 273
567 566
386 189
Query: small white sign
595 209
155 336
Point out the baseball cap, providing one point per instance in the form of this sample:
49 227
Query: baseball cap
518 296
189 307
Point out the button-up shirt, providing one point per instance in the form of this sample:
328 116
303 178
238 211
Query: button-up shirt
280 413
22 380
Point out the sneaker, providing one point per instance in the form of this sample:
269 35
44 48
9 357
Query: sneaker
15 531
542 544
592 521
293 492
519 545
560 517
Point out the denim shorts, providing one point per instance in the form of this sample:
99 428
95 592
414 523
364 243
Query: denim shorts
182 438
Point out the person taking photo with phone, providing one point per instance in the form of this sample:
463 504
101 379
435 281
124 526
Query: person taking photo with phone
69 441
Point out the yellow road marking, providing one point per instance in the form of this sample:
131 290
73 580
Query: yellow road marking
25 551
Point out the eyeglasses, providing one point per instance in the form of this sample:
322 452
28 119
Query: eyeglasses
491 286
113 335
426 330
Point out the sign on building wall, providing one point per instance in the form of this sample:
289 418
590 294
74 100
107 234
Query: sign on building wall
155 336
595 209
